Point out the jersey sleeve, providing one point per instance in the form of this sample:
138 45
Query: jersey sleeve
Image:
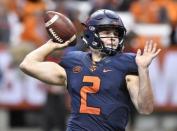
132 66
70 59
67 56
77 47
66 59
71 48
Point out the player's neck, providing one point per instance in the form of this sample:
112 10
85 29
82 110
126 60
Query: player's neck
97 56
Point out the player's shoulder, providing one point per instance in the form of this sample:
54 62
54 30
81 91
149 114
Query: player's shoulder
129 56
72 58
126 56
75 54
126 62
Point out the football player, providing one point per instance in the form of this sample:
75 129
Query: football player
104 82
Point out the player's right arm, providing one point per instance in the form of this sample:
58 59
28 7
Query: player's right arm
48 72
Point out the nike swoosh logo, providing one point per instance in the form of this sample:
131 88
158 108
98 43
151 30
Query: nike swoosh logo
106 70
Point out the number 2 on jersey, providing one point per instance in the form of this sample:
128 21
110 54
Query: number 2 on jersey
89 89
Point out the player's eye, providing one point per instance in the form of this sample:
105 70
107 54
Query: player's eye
116 33
107 32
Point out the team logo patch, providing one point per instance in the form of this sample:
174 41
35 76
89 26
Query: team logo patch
93 68
77 69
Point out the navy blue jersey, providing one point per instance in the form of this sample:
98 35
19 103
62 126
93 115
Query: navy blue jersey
99 98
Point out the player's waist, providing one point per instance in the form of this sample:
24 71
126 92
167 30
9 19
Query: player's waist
87 122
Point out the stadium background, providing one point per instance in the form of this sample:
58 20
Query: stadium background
23 99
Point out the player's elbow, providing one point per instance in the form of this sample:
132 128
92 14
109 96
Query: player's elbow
24 65
146 110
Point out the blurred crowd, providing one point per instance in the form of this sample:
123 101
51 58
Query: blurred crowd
22 29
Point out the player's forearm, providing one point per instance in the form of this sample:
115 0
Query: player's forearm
145 94
36 56
41 53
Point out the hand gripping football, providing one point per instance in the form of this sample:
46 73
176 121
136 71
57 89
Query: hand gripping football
59 27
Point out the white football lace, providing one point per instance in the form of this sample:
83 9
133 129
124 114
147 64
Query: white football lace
51 21
55 35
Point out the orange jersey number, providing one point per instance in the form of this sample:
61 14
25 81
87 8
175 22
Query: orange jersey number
89 89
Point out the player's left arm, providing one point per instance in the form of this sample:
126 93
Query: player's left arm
139 87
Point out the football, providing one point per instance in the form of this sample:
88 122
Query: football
59 27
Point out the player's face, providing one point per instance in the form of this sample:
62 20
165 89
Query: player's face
109 38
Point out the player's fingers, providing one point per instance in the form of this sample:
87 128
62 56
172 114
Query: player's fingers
68 41
146 47
138 53
62 45
50 41
150 44
157 52
72 39
154 48
65 44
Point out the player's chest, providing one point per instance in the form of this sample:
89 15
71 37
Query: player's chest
107 76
